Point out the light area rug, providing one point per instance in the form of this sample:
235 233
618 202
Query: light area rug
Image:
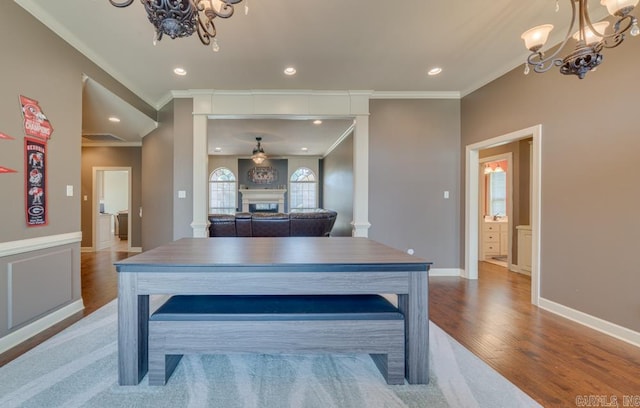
79 368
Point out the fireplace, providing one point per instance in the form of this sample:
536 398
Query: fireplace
261 199
263 207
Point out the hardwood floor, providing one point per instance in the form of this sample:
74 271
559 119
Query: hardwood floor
554 360
550 358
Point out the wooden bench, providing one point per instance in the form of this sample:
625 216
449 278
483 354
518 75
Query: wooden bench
276 324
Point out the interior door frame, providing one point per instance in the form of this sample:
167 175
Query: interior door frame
472 179
96 204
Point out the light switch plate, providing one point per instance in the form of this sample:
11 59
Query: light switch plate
69 191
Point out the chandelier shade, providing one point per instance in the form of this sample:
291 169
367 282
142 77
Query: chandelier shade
591 38
182 18
258 155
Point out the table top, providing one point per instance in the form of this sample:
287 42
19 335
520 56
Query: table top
273 254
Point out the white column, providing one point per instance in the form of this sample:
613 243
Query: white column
360 222
200 222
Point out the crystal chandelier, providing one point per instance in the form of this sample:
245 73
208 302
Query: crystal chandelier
181 18
258 152
591 38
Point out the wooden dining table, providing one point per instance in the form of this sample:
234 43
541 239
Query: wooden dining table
270 266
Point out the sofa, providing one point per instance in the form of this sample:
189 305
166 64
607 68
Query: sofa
317 223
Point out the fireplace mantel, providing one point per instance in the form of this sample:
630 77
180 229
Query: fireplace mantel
262 196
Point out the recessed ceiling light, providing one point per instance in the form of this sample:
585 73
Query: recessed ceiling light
218 149
304 149
290 71
180 71
114 119
317 122
435 71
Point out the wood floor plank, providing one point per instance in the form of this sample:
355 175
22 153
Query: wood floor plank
552 359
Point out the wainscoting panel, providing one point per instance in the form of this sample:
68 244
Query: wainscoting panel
38 284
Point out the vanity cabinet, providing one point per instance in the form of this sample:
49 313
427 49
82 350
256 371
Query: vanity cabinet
524 248
495 239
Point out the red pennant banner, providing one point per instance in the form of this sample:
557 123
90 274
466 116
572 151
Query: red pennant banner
5 136
4 170
36 123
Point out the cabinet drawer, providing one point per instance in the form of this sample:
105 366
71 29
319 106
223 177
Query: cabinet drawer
491 237
491 227
490 248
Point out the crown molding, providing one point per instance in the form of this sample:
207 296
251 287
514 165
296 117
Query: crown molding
415 95
340 139
75 42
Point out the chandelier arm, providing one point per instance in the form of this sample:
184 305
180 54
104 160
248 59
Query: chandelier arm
619 33
537 58
123 4
205 34
614 39
543 65
225 11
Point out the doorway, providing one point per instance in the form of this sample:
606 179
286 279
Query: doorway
496 208
112 206
472 210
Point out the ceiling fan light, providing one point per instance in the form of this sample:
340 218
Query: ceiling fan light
536 38
619 8
590 36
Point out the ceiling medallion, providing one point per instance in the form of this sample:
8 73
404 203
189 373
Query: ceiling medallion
591 38
181 18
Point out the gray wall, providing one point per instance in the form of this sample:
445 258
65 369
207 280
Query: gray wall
38 64
590 190
337 186
111 157
157 181
414 157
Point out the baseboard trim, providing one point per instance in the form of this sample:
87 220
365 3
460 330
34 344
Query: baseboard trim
92 249
34 244
14 338
457 272
603 326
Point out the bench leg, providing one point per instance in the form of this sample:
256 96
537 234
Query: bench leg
161 366
391 366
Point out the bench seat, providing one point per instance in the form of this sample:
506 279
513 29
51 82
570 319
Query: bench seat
207 324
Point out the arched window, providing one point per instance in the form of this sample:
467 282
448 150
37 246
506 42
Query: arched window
222 191
303 189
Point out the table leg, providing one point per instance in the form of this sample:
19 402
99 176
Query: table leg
415 307
133 330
